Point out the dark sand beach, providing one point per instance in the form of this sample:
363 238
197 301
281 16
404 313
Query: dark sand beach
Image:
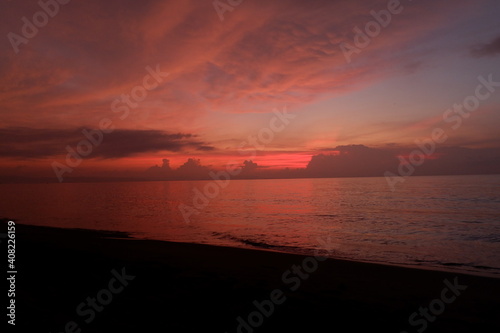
175 287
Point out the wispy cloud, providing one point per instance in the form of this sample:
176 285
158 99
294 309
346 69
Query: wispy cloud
487 49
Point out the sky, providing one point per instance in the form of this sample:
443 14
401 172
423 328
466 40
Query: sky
287 88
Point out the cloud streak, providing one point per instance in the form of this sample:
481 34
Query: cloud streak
42 143
289 54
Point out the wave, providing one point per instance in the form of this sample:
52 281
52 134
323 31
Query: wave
260 244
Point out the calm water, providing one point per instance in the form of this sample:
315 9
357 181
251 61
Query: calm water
449 222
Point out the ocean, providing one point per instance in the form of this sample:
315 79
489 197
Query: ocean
435 222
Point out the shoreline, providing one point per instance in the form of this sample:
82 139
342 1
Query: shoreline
185 287
309 252
304 252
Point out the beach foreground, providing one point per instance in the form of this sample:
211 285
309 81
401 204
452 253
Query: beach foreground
72 280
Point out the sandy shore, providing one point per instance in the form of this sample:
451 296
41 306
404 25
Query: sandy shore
154 286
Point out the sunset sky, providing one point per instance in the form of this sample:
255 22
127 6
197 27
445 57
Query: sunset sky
228 78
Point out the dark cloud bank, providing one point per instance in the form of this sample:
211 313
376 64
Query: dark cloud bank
352 161
26 143
342 161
